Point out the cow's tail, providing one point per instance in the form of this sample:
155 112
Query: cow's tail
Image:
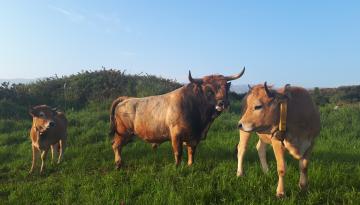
112 114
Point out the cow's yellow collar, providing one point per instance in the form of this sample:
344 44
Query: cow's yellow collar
283 115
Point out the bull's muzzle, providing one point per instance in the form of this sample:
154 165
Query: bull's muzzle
221 105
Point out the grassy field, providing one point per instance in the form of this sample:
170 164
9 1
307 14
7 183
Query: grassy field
87 174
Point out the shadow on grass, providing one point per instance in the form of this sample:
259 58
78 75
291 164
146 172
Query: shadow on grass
330 157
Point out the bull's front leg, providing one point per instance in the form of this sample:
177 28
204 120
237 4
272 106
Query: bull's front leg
244 139
177 148
279 151
191 148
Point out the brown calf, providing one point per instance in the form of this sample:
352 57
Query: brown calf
49 130
295 132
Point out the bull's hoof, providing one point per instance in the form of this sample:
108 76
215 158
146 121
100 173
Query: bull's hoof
280 195
303 187
154 146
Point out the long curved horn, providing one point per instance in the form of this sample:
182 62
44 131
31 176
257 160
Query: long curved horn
268 92
236 76
194 80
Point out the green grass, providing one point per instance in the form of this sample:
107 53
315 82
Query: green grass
87 174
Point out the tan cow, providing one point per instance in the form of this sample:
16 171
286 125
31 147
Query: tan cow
181 116
288 120
49 130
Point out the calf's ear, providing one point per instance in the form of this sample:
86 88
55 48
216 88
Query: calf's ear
32 111
287 92
286 95
54 110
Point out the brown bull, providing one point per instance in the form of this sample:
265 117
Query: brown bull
49 130
183 115
288 120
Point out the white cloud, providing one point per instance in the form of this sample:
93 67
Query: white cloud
73 16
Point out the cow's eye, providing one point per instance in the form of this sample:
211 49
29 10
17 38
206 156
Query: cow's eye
41 114
258 107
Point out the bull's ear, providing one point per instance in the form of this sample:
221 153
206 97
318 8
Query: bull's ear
228 85
249 86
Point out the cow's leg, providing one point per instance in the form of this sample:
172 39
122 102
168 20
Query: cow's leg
279 151
303 165
43 158
191 148
261 148
61 147
52 153
117 145
53 150
34 151
244 139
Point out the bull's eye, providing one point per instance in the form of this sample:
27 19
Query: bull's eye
209 92
258 107
41 114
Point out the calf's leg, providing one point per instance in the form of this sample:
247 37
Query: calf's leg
62 146
279 151
303 165
43 158
244 139
34 151
261 148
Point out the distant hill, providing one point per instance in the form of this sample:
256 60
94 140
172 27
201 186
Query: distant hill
18 80
240 89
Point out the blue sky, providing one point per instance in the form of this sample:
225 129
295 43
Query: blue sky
306 43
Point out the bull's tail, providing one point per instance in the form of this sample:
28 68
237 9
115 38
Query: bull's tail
112 114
